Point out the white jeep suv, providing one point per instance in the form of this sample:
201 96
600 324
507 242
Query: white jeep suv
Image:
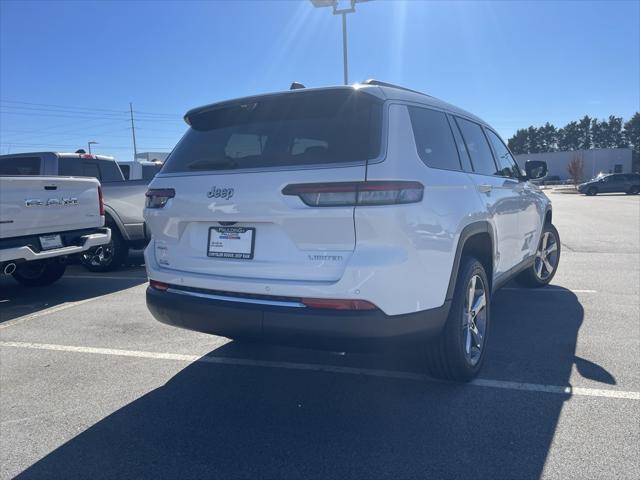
342 217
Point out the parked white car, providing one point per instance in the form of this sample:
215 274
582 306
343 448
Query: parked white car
345 216
45 219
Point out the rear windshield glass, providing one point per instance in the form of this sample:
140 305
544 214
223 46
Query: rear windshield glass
285 130
19 165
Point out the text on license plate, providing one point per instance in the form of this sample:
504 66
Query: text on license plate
47 242
231 242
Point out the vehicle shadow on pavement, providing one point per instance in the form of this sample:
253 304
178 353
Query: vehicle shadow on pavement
227 421
17 300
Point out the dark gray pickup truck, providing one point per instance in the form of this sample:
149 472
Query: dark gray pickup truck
124 200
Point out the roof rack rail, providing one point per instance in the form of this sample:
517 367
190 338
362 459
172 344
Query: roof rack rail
379 83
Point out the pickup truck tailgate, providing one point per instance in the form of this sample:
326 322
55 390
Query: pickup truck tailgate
34 205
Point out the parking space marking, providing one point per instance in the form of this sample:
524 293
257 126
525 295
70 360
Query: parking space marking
106 277
480 382
57 308
47 311
549 290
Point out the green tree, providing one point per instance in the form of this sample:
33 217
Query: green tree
518 142
584 133
548 137
632 137
569 137
615 133
599 133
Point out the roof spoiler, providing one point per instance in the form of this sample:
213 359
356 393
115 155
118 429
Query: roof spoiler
379 83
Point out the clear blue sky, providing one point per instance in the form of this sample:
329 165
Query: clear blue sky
512 63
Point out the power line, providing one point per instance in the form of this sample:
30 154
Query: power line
89 109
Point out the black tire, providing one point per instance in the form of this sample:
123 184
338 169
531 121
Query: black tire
446 355
530 277
633 190
40 272
591 191
108 257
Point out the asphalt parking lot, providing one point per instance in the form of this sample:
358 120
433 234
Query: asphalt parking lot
92 387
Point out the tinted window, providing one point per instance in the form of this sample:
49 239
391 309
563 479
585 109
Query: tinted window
462 149
479 150
126 171
20 166
149 171
69 167
434 139
109 171
90 169
303 128
506 164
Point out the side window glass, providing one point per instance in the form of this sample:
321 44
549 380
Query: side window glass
462 148
434 139
507 166
478 147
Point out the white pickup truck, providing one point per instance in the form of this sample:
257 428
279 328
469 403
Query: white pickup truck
45 219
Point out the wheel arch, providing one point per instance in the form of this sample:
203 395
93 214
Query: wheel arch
477 240
111 219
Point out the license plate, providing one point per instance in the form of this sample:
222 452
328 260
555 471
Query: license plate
47 242
231 242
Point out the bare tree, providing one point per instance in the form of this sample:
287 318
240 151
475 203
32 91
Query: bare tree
575 169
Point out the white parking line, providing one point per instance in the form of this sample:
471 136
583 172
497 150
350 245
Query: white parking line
47 311
480 382
106 277
549 290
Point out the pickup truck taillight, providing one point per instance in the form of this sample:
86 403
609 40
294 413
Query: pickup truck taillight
158 197
101 200
341 194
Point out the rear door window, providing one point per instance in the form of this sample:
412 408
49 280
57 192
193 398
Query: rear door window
20 166
478 147
302 128
90 169
434 139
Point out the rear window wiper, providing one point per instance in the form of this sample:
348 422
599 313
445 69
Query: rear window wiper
212 164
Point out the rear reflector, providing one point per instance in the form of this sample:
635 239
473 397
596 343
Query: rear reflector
332 304
340 194
158 285
158 197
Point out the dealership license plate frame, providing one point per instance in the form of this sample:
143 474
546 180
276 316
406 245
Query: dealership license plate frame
50 242
232 254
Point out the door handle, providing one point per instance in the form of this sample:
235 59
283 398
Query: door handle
485 188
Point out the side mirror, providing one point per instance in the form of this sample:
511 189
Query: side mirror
535 169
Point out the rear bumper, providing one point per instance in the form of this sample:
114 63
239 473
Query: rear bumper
287 325
29 250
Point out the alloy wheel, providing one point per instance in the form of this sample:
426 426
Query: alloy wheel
547 256
474 322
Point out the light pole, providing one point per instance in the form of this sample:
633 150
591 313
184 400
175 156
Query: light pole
89 143
341 11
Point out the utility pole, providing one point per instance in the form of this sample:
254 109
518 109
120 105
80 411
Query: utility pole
133 133
344 48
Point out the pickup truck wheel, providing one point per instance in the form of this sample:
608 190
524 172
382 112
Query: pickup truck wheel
40 272
458 352
107 257
546 261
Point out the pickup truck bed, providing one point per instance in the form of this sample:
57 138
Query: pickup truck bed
45 219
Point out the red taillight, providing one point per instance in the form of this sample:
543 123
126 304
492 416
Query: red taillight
101 200
333 304
340 194
158 285
88 156
158 197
